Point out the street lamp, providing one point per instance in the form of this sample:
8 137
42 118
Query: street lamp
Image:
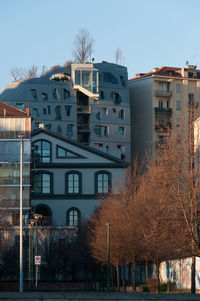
108 256
21 216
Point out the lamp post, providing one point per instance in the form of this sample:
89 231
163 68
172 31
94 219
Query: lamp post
108 256
36 218
21 216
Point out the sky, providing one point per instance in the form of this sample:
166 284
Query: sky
150 33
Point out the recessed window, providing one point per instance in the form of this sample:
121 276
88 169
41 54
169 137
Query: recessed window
73 182
116 97
44 96
178 105
104 111
114 110
49 109
44 111
66 94
34 93
160 104
70 128
97 130
160 86
109 78
42 151
102 94
121 130
55 93
35 112
67 110
103 182
178 88
48 126
105 131
73 217
122 114
59 130
123 81
58 112
98 116
42 183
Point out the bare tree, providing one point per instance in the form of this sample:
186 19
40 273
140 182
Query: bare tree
16 73
83 46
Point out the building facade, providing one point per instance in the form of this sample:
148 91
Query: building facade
161 100
69 179
88 103
13 124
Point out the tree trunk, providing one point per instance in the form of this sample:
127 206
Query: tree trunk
134 274
193 271
124 280
158 276
118 281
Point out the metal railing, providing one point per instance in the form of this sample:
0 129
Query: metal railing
163 93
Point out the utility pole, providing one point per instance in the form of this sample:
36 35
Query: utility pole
108 256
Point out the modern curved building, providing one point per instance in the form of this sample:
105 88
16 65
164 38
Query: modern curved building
88 103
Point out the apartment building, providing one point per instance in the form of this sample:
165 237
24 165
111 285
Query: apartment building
13 124
88 103
161 100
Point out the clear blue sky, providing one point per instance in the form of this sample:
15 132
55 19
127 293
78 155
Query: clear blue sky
150 33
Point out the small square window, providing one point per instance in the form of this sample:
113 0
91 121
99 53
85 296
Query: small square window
121 130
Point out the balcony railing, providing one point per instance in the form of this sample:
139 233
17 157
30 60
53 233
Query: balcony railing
166 111
83 127
163 126
84 109
163 93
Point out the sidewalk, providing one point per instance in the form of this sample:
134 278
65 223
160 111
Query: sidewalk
88 296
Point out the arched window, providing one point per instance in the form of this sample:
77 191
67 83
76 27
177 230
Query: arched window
73 217
102 182
42 151
73 182
46 213
42 182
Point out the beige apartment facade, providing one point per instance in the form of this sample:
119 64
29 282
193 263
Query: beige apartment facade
161 100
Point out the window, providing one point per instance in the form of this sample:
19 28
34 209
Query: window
56 94
105 131
122 114
42 151
44 111
102 95
66 94
35 112
123 81
58 112
178 121
160 104
121 130
59 130
160 86
70 130
34 93
73 217
109 78
98 115
178 105
44 96
104 111
168 86
191 99
116 97
114 110
65 153
97 130
178 88
48 126
67 110
73 182
103 182
42 183
49 109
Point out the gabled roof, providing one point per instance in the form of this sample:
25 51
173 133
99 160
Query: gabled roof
7 110
164 71
115 161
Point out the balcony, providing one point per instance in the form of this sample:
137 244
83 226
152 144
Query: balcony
84 109
163 93
83 127
14 134
165 111
163 126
